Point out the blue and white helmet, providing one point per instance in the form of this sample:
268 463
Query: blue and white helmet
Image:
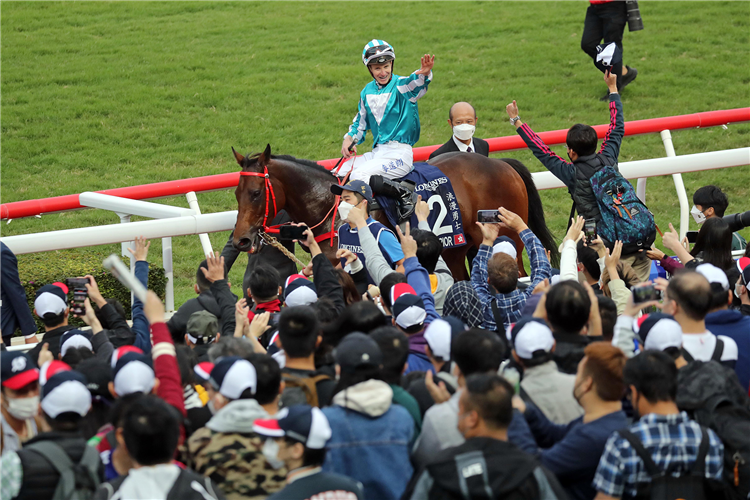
377 52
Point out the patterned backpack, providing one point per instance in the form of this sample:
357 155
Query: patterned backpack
624 216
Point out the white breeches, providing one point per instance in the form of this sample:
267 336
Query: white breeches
392 161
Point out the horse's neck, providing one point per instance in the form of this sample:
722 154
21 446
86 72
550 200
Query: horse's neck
307 193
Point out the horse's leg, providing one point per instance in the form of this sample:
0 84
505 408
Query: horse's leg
455 259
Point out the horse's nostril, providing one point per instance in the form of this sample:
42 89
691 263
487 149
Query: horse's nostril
244 243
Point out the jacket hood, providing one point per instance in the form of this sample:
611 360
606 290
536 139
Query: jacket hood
237 416
507 467
146 483
725 317
371 397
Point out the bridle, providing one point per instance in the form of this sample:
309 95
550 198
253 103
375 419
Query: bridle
271 198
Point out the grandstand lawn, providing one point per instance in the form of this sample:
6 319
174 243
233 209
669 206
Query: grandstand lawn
101 95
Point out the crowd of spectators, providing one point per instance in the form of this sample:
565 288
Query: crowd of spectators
383 379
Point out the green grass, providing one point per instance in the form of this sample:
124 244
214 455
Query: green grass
104 95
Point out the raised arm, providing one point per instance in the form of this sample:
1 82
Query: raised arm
563 170
612 141
415 85
416 275
221 292
326 282
479 276
141 328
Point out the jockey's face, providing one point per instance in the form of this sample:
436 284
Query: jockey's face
381 72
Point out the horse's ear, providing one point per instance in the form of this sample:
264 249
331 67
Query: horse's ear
265 156
238 156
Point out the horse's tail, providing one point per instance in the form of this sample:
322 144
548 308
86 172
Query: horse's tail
537 224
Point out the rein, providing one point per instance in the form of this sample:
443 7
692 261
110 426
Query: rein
272 198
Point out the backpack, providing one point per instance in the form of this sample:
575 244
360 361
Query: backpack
301 390
623 216
77 481
713 397
693 485
716 356
188 486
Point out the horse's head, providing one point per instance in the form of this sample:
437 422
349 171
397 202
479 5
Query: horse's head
251 193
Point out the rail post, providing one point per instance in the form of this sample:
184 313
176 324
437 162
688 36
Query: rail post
666 137
192 200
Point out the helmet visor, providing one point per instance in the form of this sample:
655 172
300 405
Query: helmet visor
379 54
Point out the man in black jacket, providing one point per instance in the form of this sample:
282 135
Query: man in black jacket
486 465
205 301
15 312
581 142
33 471
463 121
51 305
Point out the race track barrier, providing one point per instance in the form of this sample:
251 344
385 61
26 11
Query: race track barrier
31 208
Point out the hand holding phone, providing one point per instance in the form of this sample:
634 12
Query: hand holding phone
289 233
589 230
645 293
488 216
78 286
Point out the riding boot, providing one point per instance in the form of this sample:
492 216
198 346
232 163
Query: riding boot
406 199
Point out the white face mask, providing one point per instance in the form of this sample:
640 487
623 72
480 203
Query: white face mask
698 216
464 131
344 209
271 453
737 288
23 408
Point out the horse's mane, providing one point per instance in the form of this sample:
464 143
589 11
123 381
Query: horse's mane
307 163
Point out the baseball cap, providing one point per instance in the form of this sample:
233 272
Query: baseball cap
66 392
121 351
51 368
743 263
529 336
299 291
203 371
98 374
714 275
303 423
440 334
74 339
51 299
408 307
658 331
359 187
357 350
503 244
17 370
232 375
133 373
607 56
202 327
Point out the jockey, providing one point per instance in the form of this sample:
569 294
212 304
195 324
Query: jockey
388 108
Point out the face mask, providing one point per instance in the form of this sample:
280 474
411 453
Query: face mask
23 408
576 396
737 288
211 406
271 453
464 131
698 216
344 209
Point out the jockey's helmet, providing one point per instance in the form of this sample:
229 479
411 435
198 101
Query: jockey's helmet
377 52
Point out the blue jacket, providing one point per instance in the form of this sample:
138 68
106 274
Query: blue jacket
572 451
15 311
369 443
736 326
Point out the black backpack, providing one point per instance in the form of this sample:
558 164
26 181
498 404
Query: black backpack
712 395
715 356
77 481
693 485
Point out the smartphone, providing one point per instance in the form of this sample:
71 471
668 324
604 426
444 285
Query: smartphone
292 232
645 293
589 230
78 286
488 216
692 237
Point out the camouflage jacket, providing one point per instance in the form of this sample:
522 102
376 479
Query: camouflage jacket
234 462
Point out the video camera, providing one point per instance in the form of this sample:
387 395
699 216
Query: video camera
738 221
635 23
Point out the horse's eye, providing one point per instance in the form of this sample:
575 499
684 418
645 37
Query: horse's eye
255 193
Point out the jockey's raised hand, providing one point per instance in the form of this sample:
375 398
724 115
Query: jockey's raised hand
348 148
428 62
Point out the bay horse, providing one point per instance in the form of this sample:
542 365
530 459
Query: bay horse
302 187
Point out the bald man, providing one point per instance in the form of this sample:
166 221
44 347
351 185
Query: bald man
463 120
